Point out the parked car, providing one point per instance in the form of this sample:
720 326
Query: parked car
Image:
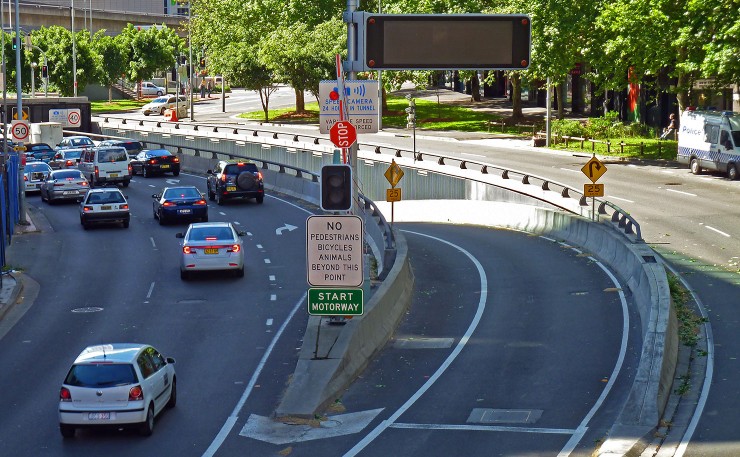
132 147
66 158
160 104
208 246
176 203
155 161
76 141
39 151
107 205
148 88
64 185
235 179
114 385
106 165
34 175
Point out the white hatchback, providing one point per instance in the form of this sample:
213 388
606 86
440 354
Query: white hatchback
208 246
115 385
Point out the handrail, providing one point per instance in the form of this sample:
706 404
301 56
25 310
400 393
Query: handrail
622 220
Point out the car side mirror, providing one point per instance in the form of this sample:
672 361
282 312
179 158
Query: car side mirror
209 172
170 360
241 233
157 196
179 235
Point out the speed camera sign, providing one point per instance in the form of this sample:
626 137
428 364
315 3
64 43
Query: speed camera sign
20 130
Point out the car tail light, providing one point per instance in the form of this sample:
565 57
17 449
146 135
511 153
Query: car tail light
135 394
259 175
200 203
188 250
87 208
65 394
234 248
152 161
97 171
69 163
84 183
211 238
168 204
223 178
124 206
176 160
130 170
25 178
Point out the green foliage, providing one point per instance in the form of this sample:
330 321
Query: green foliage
149 51
688 321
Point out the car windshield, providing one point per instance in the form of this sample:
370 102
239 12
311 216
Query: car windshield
210 233
112 155
160 100
81 142
106 197
67 174
101 375
40 147
181 192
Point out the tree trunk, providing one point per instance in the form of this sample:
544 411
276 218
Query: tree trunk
516 95
110 94
560 92
682 96
475 88
300 102
265 100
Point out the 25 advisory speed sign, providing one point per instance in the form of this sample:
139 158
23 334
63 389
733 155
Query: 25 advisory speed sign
20 130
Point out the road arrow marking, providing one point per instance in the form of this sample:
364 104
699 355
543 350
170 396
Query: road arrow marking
265 429
287 227
172 181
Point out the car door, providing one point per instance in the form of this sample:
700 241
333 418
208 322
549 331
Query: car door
160 379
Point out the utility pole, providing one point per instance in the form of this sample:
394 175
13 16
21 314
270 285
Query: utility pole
74 50
351 57
19 95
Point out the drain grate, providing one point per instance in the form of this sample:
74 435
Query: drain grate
504 416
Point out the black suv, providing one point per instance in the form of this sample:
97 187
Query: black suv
232 179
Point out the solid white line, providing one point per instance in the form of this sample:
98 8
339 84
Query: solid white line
437 374
271 277
571 170
484 428
273 297
583 426
231 420
621 199
682 192
471 155
154 245
151 289
718 231
267 261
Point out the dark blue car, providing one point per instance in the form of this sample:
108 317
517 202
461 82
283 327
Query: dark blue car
178 203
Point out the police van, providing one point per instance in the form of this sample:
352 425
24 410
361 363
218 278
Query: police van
710 140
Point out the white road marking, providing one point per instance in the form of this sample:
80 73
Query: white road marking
718 231
273 297
453 355
484 428
571 170
620 199
271 277
269 322
231 420
682 192
149 294
222 213
471 155
237 223
154 245
267 261
259 246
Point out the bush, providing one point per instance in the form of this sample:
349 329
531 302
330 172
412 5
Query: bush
567 127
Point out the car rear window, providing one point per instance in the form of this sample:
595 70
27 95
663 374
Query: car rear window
81 142
112 155
132 145
101 375
159 153
72 154
67 174
33 167
181 192
106 197
203 233
236 168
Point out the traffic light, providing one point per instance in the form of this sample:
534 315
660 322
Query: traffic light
44 71
15 42
202 62
336 188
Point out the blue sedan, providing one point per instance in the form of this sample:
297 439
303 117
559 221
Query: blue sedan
182 202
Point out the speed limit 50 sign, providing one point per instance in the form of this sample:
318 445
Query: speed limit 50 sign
20 130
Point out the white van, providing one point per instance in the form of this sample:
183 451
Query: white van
710 140
105 165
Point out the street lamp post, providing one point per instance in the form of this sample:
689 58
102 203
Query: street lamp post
34 65
74 50
190 60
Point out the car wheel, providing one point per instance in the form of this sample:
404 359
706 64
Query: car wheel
260 199
219 199
147 427
161 111
732 172
695 168
146 114
184 275
126 223
67 430
176 173
211 195
144 172
173 394
159 93
239 273
161 218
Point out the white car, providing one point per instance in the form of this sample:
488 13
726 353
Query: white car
208 246
115 385
165 102
104 205
34 174
149 88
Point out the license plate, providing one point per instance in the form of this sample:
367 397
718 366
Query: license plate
113 175
230 188
38 186
105 207
164 166
100 416
183 211
210 250
70 192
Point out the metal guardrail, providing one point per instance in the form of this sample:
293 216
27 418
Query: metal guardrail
622 220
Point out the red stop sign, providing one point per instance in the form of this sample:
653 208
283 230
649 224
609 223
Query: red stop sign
343 134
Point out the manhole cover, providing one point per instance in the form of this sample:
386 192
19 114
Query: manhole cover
87 309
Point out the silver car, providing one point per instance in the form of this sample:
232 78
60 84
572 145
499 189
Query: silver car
104 205
34 175
116 385
64 185
208 246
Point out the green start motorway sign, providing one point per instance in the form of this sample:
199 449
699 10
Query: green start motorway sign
335 302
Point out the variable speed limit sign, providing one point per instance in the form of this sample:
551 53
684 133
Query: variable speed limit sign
20 130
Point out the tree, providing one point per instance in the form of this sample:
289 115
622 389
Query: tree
113 62
244 69
149 51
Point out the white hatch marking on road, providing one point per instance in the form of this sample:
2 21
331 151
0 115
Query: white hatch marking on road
151 289
448 361
154 245
271 277
222 213
237 223
718 231
620 199
269 322
682 192
267 261
484 428
273 297
259 246
231 420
